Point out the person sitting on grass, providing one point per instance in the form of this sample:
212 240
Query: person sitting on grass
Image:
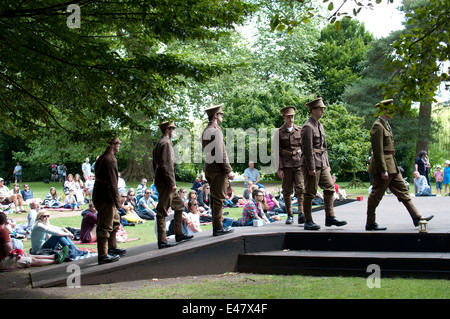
6 198
15 258
70 201
88 231
253 210
421 184
46 236
51 199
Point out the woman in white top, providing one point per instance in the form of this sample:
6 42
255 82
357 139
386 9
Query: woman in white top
194 217
46 236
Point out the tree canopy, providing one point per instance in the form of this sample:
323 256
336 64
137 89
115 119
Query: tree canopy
87 83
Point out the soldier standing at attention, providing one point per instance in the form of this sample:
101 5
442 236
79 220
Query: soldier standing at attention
167 188
105 196
316 168
289 163
217 167
384 168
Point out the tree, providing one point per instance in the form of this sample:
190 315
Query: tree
338 59
88 83
418 62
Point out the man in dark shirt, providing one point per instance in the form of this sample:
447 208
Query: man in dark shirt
166 186
106 200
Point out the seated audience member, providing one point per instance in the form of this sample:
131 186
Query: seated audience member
251 174
232 200
51 199
58 236
144 206
11 258
155 194
421 184
128 216
70 201
131 198
204 198
79 188
194 216
121 183
69 184
198 183
89 186
24 230
339 193
274 205
27 195
6 198
247 195
88 232
141 189
253 210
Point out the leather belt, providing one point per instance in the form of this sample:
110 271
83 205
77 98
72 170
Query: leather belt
292 153
388 152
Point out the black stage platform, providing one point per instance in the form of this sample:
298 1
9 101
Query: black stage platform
287 249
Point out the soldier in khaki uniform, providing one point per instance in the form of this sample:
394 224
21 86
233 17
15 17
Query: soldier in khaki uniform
167 188
217 167
384 168
316 168
289 164
105 197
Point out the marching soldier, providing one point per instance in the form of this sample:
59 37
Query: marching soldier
384 169
316 168
289 169
167 188
217 167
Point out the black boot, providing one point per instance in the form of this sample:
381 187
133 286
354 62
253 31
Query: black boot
374 227
166 244
222 231
181 237
108 259
310 225
332 220
301 218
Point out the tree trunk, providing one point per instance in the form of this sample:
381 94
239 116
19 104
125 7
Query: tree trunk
424 128
140 165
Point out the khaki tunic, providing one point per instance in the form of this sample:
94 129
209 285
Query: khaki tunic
315 157
290 147
290 156
383 160
163 164
217 167
105 194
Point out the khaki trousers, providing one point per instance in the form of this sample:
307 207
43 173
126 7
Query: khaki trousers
397 186
293 181
218 183
323 180
108 221
167 199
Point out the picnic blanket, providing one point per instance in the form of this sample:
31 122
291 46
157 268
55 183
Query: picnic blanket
78 242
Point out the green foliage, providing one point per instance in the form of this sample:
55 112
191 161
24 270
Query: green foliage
416 62
88 83
347 140
339 58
